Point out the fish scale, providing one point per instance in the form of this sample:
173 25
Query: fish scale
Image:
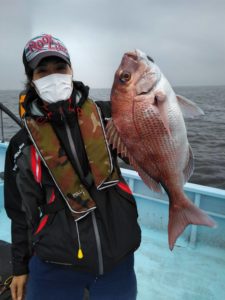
152 131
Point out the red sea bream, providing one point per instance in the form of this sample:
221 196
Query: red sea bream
148 128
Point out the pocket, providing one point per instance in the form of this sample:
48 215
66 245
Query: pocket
44 222
41 224
47 216
55 242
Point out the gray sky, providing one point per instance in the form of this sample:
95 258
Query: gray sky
185 38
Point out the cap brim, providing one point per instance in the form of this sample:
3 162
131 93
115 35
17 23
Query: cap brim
35 62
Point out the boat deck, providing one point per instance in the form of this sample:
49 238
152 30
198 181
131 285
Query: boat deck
195 269
186 273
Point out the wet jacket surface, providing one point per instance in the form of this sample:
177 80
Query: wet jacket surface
107 235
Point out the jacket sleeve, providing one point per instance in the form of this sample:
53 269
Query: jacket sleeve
13 207
16 211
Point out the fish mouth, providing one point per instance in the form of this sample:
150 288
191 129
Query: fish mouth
151 73
132 55
144 57
139 55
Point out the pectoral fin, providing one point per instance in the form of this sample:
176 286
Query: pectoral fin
189 108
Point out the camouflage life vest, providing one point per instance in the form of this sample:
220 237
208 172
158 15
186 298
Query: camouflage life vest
60 168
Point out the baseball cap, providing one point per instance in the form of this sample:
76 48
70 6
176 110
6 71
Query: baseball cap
42 46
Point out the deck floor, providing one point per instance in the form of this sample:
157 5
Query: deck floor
185 273
5 228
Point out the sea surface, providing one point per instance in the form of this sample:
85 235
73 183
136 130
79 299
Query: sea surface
206 134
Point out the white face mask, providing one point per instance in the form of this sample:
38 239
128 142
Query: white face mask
54 87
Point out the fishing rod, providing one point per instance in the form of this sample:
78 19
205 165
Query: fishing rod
4 109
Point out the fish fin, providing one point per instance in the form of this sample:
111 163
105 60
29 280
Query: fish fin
189 166
110 129
181 217
115 140
150 182
189 109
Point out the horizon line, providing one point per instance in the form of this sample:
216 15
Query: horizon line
108 88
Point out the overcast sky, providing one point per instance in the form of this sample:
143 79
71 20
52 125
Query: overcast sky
185 38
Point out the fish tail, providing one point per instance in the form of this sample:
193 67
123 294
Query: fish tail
181 216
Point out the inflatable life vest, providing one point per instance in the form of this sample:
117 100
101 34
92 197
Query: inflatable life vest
21 101
60 168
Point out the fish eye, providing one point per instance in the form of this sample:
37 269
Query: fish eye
125 76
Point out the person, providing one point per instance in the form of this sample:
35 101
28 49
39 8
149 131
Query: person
74 218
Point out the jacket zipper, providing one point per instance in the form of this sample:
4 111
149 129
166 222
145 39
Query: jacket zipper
96 231
58 263
98 242
72 146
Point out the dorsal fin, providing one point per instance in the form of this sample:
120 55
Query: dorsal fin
114 139
116 142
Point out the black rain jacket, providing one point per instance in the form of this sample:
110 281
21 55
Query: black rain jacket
107 235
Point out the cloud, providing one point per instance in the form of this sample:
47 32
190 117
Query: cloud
14 30
185 38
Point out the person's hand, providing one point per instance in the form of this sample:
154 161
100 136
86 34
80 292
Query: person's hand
18 286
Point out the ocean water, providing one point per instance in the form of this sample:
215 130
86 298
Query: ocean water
206 134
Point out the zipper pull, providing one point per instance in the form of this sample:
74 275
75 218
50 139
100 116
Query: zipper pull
80 254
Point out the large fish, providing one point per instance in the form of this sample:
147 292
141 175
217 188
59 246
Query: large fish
147 126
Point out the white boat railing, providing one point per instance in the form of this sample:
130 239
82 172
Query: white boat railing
211 200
